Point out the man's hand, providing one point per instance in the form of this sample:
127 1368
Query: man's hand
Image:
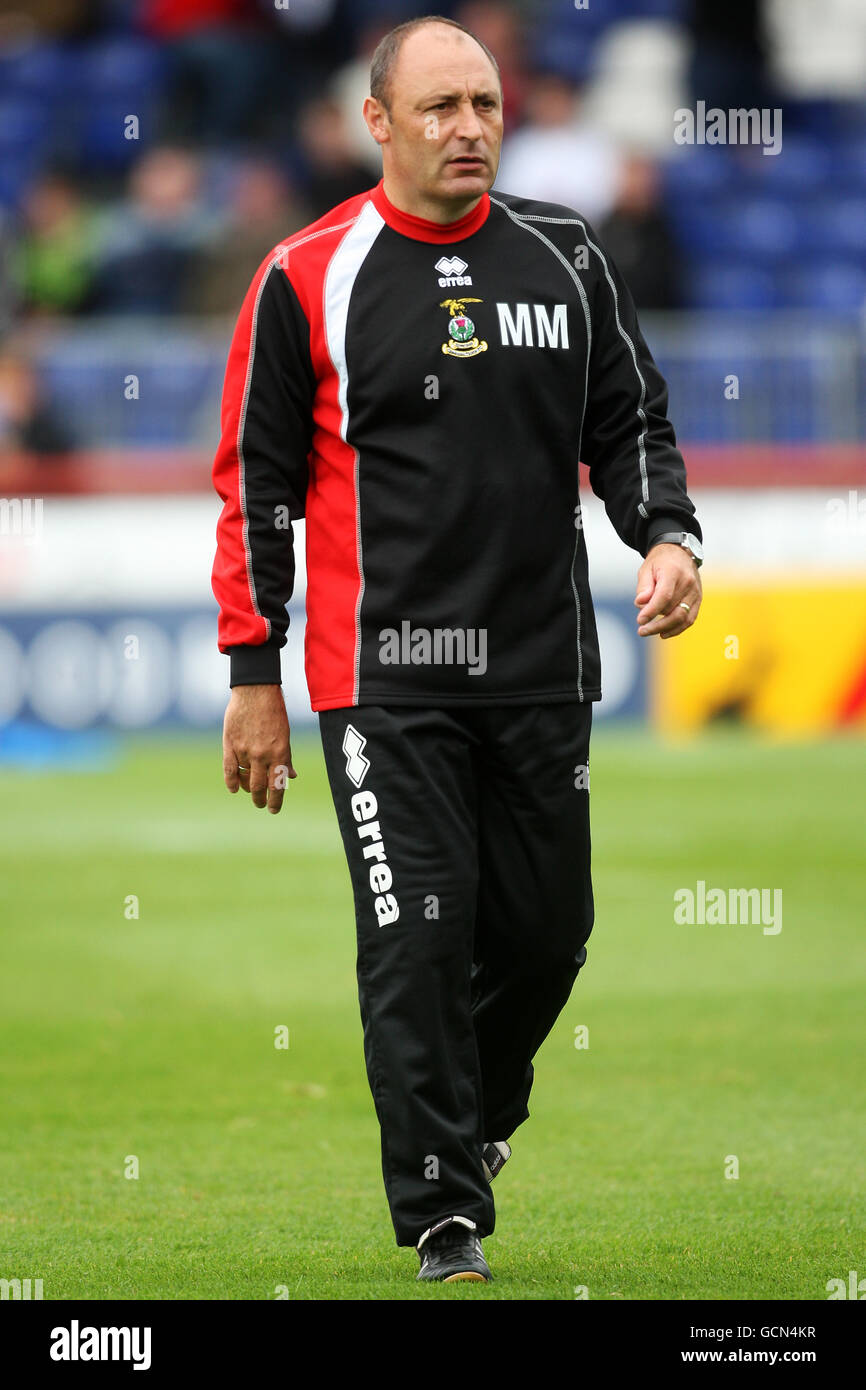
667 578
257 752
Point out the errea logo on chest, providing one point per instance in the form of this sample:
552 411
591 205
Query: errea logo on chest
452 271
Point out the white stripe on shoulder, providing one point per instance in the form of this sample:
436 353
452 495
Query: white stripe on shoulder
340 278
281 256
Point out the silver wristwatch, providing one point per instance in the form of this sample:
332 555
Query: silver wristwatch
689 543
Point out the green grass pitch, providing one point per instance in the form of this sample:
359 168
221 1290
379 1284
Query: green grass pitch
259 1167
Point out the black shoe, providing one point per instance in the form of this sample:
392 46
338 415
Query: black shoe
451 1250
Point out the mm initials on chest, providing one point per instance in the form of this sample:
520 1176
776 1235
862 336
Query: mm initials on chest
533 325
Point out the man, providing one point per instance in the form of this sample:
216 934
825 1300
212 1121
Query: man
418 373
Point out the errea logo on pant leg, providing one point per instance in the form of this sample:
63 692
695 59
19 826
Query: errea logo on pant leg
364 810
356 763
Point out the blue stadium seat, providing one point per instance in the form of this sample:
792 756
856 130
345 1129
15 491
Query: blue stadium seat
846 165
834 287
783 389
659 9
841 224
699 172
25 129
16 172
765 230
715 286
703 227
73 385
179 385
121 67
800 170
185 392
752 231
755 232
697 402
42 71
564 40
779 390
759 232
101 126
25 126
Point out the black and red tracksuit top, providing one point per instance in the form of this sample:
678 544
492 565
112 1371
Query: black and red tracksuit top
421 394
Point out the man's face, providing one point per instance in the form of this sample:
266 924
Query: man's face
445 132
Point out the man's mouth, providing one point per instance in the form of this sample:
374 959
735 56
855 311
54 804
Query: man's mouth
468 161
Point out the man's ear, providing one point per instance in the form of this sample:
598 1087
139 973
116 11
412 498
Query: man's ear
377 120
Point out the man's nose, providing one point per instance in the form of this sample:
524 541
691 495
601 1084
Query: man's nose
468 124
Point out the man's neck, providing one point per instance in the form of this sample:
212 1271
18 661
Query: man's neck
442 211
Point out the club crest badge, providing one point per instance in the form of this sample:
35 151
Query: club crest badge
462 341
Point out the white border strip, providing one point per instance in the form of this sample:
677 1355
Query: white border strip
339 281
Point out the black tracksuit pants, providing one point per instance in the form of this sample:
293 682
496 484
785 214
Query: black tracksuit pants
467 838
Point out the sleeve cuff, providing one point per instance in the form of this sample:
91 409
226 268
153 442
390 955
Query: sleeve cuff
660 525
254 666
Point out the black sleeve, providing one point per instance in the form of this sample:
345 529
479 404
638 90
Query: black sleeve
261 473
628 442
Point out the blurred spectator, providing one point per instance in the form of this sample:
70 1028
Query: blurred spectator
349 87
498 26
242 69
728 62
149 243
27 423
564 39
556 157
332 172
263 211
220 65
818 52
53 265
317 37
638 82
639 237
61 19
9 293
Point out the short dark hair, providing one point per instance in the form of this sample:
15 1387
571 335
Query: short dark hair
382 65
